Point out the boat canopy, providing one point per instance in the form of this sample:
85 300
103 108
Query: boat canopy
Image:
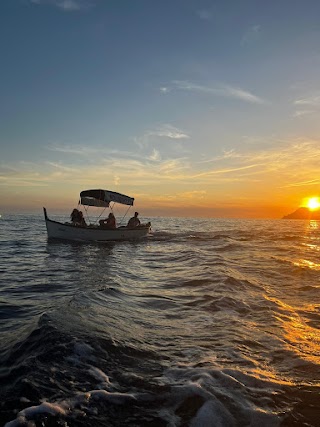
102 198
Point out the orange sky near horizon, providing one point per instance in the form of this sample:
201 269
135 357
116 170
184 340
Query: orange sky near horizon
239 184
176 205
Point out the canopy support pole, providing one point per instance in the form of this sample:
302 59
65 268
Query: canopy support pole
125 215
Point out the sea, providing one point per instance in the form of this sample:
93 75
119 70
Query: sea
206 322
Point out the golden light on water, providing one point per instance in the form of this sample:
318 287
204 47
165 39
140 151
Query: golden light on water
301 319
308 264
303 338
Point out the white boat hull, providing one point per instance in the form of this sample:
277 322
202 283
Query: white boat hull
58 230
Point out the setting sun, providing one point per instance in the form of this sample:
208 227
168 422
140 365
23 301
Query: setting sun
313 203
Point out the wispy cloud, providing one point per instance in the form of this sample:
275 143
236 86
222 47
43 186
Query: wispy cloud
302 113
171 167
229 154
168 131
220 90
22 174
165 131
251 35
303 183
102 153
155 155
306 106
205 14
196 194
312 101
21 182
66 5
164 89
69 5
292 163
61 167
144 171
226 170
80 150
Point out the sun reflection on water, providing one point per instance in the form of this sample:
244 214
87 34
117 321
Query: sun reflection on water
307 263
304 338
314 224
301 337
310 246
301 321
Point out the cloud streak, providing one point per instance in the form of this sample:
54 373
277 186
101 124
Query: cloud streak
226 170
61 167
303 183
306 106
66 5
165 131
79 150
313 101
168 131
223 90
302 113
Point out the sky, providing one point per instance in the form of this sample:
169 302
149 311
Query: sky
193 107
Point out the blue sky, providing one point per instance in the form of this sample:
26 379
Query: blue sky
209 107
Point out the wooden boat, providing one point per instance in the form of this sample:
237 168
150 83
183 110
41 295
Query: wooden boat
95 232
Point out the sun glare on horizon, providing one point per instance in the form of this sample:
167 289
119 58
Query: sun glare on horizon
313 203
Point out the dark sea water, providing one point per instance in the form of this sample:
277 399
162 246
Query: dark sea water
207 322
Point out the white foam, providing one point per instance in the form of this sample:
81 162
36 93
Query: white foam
117 398
66 406
43 408
230 384
81 352
100 376
212 410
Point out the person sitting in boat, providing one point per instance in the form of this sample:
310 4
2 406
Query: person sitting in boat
109 222
134 221
77 218
82 221
74 216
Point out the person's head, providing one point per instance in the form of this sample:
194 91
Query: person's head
136 214
111 215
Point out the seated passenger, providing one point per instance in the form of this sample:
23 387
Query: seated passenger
82 221
77 218
109 222
134 221
74 216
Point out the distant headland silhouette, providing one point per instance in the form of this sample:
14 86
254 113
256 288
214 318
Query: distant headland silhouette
304 213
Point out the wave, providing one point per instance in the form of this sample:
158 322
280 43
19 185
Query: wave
190 396
205 322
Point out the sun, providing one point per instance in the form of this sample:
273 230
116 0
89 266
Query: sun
313 203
